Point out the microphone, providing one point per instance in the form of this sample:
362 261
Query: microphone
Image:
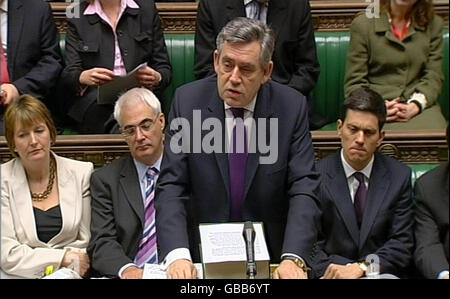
249 237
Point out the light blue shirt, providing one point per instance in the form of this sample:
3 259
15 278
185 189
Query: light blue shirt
262 13
142 170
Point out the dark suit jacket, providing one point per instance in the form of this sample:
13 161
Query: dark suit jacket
194 188
90 43
295 59
117 216
386 229
431 228
34 56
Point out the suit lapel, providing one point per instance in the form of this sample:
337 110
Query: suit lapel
15 24
262 111
24 204
235 8
129 182
67 202
341 196
216 110
378 186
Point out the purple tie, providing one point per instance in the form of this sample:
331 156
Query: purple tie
360 197
147 246
238 164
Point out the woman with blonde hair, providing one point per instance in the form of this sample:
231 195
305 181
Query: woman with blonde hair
45 198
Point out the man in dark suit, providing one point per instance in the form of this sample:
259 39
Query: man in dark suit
295 58
31 42
365 198
122 226
230 184
431 228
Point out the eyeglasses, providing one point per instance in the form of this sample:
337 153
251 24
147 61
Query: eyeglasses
145 126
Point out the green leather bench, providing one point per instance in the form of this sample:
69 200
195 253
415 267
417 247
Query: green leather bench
328 95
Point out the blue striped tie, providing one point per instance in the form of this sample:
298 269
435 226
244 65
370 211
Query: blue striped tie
147 252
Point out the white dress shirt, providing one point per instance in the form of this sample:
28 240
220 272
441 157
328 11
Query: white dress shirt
352 182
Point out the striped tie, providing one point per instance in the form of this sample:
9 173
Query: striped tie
147 247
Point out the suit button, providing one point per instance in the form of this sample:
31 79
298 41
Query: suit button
125 52
85 48
119 32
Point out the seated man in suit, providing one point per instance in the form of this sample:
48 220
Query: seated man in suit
123 216
431 228
30 57
234 181
365 196
295 56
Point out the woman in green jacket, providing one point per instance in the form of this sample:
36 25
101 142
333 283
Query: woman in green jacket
399 55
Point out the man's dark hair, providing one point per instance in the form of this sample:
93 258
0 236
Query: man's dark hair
366 100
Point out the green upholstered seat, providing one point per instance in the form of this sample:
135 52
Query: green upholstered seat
328 95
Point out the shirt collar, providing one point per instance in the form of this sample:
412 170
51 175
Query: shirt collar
250 107
142 168
248 1
349 171
95 7
4 5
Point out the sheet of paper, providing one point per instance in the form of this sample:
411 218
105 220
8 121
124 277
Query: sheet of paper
224 242
154 271
109 92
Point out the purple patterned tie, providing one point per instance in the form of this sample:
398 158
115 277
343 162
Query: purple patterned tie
360 197
238 164
147 252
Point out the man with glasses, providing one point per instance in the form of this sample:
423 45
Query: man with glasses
123 216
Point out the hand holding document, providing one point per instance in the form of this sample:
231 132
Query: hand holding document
108 93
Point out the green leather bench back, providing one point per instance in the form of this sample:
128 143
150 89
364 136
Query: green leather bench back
328 95
329 92
181 54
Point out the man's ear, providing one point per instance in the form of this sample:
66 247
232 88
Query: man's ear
267 72
380 140
162 121
216 60
340 124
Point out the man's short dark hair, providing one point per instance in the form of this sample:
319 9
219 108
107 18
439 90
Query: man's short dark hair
366 100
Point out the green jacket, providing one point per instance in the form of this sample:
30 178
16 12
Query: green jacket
393 68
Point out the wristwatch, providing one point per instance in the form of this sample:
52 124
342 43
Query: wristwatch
298 261
364 266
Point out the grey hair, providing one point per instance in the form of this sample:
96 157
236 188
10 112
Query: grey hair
136 94
245 30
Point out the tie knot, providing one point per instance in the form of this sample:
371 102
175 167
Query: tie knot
359 176
238 112
151 172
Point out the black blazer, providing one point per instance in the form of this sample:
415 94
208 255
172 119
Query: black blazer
386 229
194 188
295 58
90 43
117 219
431 227
34 56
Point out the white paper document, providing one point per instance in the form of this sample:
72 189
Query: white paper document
154 271
109 92
225 243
